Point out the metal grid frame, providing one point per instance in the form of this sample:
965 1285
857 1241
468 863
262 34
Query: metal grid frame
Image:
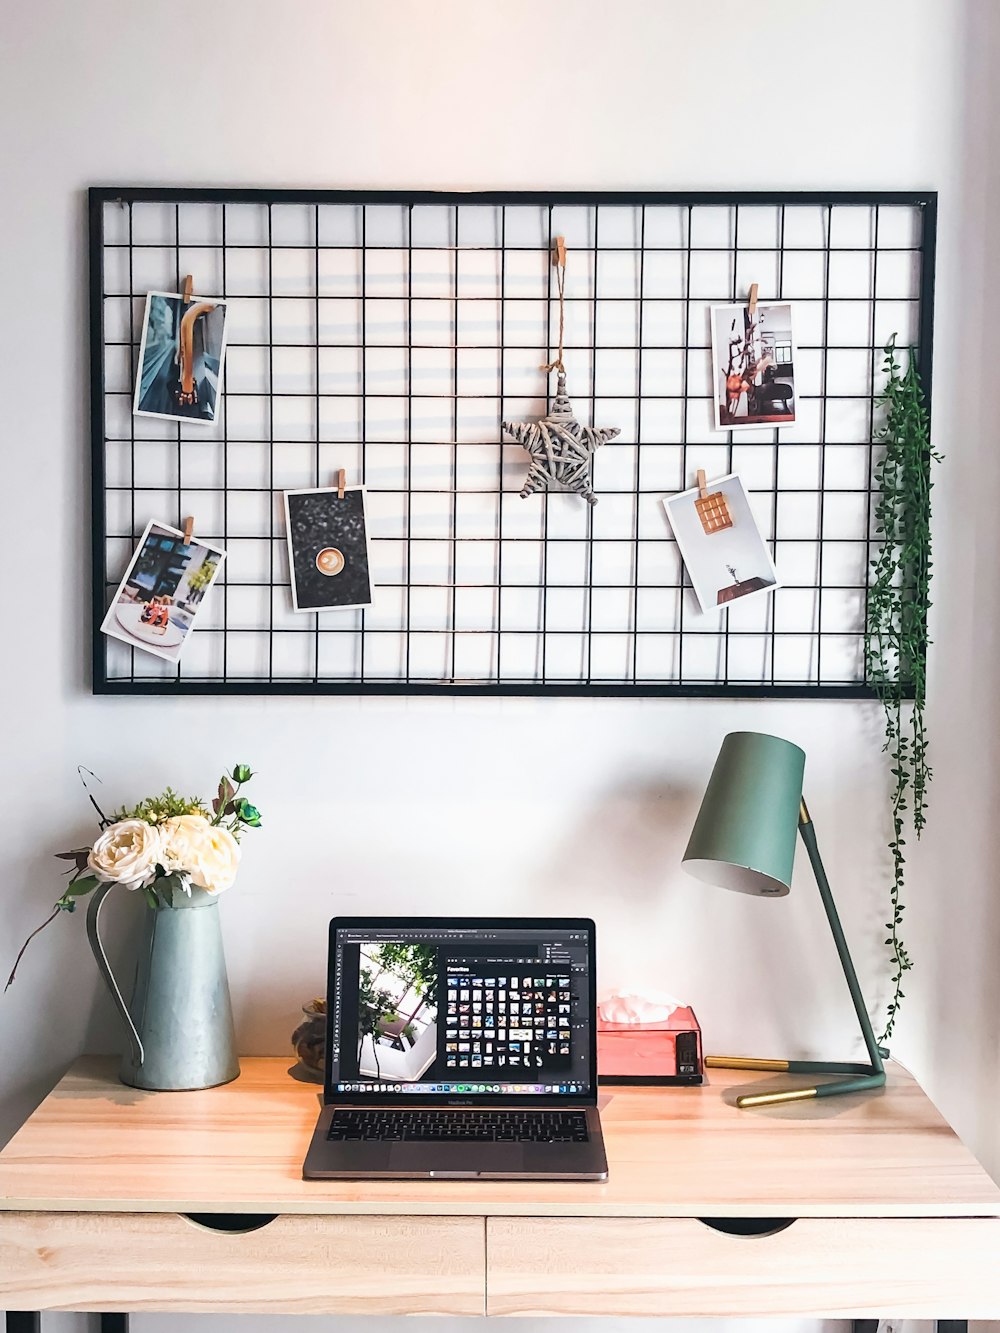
221 671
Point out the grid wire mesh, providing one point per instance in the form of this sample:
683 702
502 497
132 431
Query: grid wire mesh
390 334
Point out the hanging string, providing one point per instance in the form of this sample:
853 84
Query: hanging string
559 260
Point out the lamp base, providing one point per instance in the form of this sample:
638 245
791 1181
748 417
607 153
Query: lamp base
864 1078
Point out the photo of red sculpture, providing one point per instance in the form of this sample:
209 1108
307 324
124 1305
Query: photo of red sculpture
157 603
156 614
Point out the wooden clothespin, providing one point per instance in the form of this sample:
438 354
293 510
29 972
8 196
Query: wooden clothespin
186 290
188 531
341 477
559 252
752 302
702 484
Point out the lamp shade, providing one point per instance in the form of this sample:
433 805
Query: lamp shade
744 836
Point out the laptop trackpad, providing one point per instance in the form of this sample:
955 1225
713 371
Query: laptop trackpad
445 1159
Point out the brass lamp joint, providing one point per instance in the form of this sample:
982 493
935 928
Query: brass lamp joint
804 815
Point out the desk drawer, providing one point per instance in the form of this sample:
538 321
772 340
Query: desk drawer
945 1268
292 1265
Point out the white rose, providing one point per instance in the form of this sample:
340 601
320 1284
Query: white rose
209 854
126 853
181 837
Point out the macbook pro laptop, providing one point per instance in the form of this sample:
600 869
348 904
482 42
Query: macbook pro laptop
460 1048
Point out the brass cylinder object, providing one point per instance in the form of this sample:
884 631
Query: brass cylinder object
774 1098
746 1062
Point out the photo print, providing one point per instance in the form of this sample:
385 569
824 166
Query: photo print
180 358
721 546
753 365
329 554
157 602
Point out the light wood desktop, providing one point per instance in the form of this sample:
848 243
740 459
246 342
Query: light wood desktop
892 1215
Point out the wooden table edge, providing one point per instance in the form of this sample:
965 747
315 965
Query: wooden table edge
457 1208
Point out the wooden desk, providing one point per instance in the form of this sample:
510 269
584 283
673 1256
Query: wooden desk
892 1215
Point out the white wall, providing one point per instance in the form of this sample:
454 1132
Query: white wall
518 805
951 1035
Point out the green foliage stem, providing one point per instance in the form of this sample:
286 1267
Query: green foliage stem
155 809
896 623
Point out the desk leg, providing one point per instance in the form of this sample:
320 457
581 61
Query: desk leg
30 1321
24 1321
941 1325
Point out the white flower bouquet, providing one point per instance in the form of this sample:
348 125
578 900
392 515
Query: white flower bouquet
165 845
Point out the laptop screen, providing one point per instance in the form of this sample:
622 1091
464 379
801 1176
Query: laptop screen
436 1008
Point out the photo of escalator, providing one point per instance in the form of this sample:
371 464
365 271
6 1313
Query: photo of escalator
180 358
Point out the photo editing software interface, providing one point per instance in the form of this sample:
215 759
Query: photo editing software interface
461 1010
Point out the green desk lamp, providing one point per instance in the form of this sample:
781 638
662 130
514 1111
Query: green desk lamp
744 838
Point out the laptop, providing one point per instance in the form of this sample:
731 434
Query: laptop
460 1048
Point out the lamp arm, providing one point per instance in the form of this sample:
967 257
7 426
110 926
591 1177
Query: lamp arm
861 1078
807 832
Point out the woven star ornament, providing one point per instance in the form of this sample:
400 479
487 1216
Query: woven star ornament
560 447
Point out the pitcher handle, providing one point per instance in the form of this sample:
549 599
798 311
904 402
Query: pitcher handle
97 945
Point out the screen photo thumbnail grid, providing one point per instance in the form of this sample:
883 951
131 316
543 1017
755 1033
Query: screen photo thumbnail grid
508 1021
397 338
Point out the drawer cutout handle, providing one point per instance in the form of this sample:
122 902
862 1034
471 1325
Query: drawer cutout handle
748 1226
237 1224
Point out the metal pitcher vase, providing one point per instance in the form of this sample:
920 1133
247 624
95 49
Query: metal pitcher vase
180 1020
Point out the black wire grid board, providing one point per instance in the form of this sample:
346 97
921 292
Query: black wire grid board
390 334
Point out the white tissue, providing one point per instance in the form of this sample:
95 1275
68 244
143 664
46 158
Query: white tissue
632 1007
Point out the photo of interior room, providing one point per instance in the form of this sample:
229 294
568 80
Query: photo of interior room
754 358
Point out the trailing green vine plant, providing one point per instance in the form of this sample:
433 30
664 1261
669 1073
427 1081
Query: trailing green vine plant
896 623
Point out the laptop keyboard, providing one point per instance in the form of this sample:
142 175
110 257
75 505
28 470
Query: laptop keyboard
398 1125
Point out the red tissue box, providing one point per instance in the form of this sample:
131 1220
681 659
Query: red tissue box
657 1053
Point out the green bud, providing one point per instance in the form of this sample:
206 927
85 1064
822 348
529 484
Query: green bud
249 814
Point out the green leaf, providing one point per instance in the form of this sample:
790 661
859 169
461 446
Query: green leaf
78 887
169 886
895 637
